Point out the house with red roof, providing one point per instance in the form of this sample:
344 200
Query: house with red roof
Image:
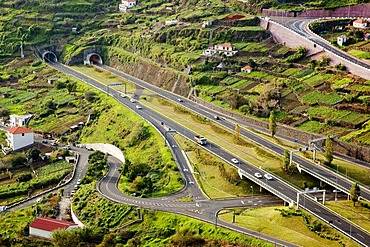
247 69
360 23
226 48
43 227
19 137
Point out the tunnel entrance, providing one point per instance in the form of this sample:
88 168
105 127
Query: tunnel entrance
94 58
49 57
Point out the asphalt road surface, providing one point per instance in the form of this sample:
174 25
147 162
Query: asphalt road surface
306 202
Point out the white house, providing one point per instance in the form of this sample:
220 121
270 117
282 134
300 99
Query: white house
226 48
42 227
126 4
247 69
341 40
19 120
206 24
360 23
209 52
129 3
19 137
172 22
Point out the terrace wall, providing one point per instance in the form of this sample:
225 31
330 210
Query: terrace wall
339 147
291 39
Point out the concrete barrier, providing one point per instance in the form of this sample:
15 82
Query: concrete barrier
106 148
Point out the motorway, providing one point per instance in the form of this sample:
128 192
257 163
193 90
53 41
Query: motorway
337 181
108 184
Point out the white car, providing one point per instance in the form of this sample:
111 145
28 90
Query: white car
138 107
258 175
123 95
133 100
235 161
179 100
268 176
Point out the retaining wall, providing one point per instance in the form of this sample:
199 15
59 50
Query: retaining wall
360 10
339 147
107 148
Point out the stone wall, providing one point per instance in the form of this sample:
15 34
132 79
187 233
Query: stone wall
340 147
360 10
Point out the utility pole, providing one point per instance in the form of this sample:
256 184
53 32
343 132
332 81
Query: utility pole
22 55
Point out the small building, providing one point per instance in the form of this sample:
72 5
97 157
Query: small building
367 36
209 52
129 3
206 24
19 137
247 69
43 227
171 23
341 40
52 80
19 120
226 48
360 23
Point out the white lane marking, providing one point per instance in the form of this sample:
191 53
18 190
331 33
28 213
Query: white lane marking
360 235
281 187
317 210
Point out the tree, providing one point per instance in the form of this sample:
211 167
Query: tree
71 87
355 193
33 154
328 150
286 160
237 133
90 96
272 121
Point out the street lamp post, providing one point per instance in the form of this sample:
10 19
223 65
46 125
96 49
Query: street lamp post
336 181
252 194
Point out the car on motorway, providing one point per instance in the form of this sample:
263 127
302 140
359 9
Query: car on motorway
90 149
133 100
258 175
78 182
235 161
72 193
191 182
216 117
138 107
67 147
180 100
76 187
123 95
54 144
268 176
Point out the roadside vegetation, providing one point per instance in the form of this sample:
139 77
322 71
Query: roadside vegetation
296 226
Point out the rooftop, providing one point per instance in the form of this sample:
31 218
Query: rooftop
50 224
19 130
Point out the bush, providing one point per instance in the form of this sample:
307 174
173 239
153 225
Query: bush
24 177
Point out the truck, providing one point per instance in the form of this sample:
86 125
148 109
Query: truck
200 140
